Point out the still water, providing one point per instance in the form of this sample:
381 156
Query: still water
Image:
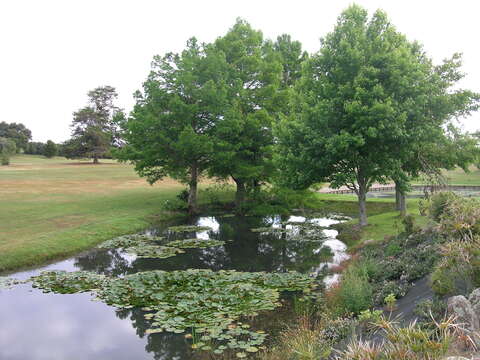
38 326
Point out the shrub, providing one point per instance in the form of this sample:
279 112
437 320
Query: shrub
459 270
409 224
7 149
355 291
390 302
438 203
460 219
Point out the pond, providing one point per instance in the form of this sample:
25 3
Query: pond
37 325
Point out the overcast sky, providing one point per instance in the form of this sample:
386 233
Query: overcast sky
53 52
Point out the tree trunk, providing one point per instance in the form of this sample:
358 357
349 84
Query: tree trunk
362 202
240 194
400 199
403 204
95 159
397 197
192 191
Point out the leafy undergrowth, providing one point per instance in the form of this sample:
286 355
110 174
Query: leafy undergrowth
207 304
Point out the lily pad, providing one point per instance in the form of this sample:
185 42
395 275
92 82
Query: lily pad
188 228
195 243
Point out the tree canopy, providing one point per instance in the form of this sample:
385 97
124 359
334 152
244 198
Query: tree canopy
50 149
7 149
170 129
17 132
93 127
243 144
364 102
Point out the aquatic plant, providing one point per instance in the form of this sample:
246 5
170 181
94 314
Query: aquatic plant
188 228
211 303
268 229
144 250
127 241
195 243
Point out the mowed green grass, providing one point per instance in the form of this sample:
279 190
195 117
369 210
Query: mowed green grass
460 177
51 208
383 219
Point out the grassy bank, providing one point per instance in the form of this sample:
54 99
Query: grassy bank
383 219
51 208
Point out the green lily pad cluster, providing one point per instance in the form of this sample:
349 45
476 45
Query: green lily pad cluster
127 241
143 246
268 229
195 243
208 303
153 251
188 228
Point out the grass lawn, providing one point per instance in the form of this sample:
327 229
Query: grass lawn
383 219
51 208
460 177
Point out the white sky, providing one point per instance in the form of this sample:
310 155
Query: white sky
53 52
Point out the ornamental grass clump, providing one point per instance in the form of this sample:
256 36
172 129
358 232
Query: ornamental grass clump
412 342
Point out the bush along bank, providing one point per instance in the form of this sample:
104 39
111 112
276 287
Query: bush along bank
443 258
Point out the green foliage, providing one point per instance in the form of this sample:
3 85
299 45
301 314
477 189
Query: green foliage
356 293
17 133
195 243
143 246
409 224
392 266
7 149
458 272
188 228
302 341
370 316
209 302
50 149
412 342
365 107
390 301
94 129
428 309
127 241
35 148
243 139
460 219
438 203
149 251
170 131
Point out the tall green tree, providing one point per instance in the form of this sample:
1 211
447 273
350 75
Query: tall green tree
291 58
169 132
243 138
94 130
50 149
7 149
16 132
355 103
432 142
